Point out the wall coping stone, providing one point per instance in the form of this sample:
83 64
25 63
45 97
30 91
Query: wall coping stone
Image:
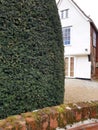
50 118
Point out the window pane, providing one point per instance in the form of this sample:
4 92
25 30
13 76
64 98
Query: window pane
94 39
72 66
66 35
61 14
66 66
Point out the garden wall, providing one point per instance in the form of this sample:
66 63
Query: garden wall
52 118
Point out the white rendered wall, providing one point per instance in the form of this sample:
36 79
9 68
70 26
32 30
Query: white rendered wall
80 39
80 30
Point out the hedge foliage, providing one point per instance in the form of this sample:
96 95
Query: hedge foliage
31 56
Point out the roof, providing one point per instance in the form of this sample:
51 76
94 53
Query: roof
90 20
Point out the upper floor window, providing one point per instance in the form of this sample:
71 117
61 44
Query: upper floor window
66 35
64 13
94 38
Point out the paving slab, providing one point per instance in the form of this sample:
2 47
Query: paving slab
78 90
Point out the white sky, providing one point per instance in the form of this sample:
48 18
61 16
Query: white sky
90 7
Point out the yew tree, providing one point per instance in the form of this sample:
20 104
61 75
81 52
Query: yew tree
31 56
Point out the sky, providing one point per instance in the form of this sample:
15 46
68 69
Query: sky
90 7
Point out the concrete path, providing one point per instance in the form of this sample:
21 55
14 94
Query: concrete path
77 90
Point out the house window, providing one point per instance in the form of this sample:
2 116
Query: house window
66 35
64 13
94 39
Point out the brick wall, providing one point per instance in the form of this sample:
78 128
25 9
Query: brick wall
52 117
93 53
97 56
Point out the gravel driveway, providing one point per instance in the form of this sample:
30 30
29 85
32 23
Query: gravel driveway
77 90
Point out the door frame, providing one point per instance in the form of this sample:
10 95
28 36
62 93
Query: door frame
69 65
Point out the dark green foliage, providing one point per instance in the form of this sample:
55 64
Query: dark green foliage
31 56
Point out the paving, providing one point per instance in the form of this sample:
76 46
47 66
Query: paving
78 90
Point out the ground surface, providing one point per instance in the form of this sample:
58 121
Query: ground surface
77 90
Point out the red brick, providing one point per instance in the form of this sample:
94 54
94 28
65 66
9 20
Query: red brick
31 123
78 116
44 122
54 118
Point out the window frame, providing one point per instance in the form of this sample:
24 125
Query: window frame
94 38
64 14
66 34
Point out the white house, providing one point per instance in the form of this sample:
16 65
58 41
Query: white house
80 41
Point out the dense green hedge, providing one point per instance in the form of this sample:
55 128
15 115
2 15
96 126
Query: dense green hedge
31 56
